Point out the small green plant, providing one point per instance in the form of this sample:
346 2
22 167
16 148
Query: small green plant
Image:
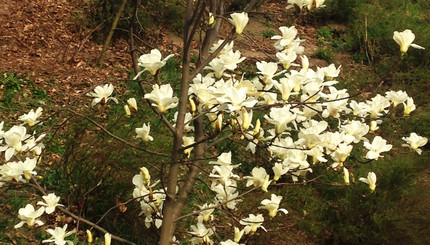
267 24
325 54
11 87
268 33
325 33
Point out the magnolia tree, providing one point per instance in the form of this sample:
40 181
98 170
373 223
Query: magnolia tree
293 116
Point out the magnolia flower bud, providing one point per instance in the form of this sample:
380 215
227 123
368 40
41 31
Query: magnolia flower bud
257 127
238 234
218 123
193 106
132 104
346 176
108 238
245 119
373 126
90 236
145 175
127 110
211 19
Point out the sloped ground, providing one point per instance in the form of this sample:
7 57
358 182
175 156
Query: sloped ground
40 39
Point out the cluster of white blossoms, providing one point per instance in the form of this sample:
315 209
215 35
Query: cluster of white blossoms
309 4
307 121
151 201
21 152
299 102
30 216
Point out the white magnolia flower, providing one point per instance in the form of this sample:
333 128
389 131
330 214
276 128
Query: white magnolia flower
287 37
377 105
234 99
224 160
15 170
226 193
206 214
268 70
404 39
224 50
188 141
378 146
201 234
11 171
143 179
285 86
280 117
341 153
152 62
331 71
27 167
58 235
217 66
415 141
374 125
51 202
279 169
259 177
231 59
33 145
31 117
356 129
143 133
272 205
359 109
409 106
396 97
239 20
338 101
162 97
132 103
287 59
13 139
252 223
370 180
223 173
102 94
29 216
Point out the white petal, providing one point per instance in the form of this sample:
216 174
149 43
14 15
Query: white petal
413 45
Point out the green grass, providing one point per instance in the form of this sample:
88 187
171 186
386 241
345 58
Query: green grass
325 54
18 94
268 33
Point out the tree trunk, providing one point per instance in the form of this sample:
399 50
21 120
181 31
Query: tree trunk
109 37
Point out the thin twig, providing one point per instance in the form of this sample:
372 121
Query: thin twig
118 138
66 211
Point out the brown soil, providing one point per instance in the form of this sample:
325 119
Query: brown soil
39 40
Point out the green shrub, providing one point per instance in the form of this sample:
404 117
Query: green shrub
325 54
268 33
